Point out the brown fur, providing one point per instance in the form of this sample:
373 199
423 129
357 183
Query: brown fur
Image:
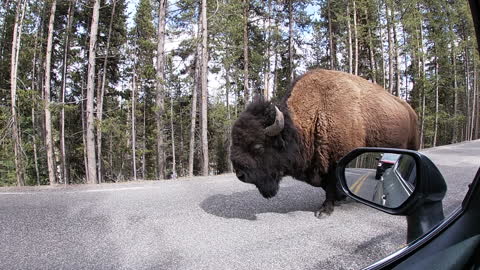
336 112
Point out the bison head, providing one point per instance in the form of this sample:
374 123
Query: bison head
258 150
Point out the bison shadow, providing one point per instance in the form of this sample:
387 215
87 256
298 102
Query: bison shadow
248 204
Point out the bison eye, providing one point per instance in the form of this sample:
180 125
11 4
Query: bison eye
258 148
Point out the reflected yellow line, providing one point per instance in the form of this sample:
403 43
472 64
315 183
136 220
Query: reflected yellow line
358 184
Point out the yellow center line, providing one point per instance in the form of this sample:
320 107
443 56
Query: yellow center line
358 184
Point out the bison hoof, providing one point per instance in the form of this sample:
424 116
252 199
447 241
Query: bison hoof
326 209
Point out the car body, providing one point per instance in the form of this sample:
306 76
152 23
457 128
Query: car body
386 161
397 183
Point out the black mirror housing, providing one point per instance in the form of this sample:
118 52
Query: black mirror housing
430 185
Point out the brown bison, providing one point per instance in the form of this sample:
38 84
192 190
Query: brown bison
324 115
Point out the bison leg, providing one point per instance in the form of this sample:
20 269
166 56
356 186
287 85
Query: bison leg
327 205
332 193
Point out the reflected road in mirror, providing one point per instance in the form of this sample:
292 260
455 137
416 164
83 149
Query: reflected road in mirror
386 179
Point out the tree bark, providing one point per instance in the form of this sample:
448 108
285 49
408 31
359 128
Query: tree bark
84 132
34 104
195 90
268 36
423 78
356 36
134 131
467 94
291 22
144 136
100 97
90 138
436 100
172 128
330 36
204 104
390 48
350 47
229 118
66 48
371 50
246 91
455 89
160 81
381 47
48 118
397 55
17 32
474 101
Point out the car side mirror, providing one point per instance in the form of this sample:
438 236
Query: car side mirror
395 181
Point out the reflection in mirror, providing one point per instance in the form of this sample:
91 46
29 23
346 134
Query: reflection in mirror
386 179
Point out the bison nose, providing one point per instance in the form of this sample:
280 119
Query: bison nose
240 176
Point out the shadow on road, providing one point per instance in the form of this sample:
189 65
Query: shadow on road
248 204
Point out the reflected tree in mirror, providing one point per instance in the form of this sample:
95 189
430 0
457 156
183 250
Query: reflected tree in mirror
386 179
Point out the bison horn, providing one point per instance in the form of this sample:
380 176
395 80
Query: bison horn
277 126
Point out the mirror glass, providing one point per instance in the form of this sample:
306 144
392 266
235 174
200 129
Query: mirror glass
386 179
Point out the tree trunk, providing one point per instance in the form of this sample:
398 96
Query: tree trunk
84 132
246 91
455 89
100 96
467 94
390 48
356 36
350 48
422 123
275 73
204 104
397 55
477 123
474 101
193 112
17 32
423 78
34 104
291 22
48 118
174 163
90 139
134 131
229 118
160 81
405 58
330 36
268 44
381 47
144 135
371 51
66 48
436 101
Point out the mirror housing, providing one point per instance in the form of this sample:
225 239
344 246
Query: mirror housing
423 208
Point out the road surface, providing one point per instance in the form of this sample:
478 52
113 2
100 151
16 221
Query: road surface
204 223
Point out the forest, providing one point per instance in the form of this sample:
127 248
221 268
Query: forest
95 91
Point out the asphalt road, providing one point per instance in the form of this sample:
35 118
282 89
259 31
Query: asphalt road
204 223
362 182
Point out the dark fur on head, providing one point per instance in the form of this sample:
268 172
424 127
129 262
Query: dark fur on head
260 159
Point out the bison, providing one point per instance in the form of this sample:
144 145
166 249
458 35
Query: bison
324 115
